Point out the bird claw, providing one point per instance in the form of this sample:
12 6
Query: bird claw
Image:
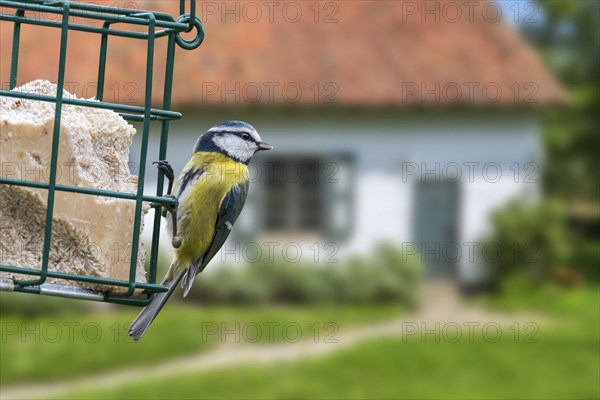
166 168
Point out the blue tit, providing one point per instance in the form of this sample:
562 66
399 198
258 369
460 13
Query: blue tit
211 191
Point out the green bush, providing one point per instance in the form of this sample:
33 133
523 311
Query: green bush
386 276
532 238
586 258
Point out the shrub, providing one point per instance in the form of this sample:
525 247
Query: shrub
532 238
386 276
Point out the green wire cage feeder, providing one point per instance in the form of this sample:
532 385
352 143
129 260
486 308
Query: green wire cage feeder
108 21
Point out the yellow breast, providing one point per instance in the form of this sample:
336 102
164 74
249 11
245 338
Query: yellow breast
200 202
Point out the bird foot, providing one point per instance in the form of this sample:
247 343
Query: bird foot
165 167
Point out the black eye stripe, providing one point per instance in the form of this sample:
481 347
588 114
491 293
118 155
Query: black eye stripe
238 134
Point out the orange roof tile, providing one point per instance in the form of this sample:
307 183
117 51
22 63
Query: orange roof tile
350 52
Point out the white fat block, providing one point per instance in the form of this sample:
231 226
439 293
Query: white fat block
91 235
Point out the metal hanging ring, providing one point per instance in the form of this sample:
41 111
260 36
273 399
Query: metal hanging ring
197 40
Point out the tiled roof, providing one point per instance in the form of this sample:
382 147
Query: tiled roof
373 53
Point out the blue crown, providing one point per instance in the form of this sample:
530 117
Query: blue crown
237 125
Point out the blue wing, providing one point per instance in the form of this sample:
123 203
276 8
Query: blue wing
228 213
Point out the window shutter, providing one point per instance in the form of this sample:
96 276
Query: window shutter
338 178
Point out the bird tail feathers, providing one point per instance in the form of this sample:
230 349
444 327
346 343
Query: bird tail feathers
140 325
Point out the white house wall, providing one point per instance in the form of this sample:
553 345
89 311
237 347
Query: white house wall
385 150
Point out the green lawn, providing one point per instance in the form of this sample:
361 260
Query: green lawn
66 346
556 367
562 361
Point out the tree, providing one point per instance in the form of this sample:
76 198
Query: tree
568 36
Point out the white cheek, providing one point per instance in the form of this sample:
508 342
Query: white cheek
236 146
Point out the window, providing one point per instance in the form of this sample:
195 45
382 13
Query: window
293 199
304 195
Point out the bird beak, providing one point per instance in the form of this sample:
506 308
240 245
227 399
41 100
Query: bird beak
264 146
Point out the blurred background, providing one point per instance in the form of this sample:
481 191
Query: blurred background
427 226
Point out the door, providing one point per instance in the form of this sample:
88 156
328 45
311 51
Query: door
435 227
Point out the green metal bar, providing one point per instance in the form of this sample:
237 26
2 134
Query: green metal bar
192 13
73 292
83 278
92 103
131 17
85 28
140 118
99 9
102 63
143 153
14 62
159 25
131 301
54 154
162 155
49 289
170 27
89 191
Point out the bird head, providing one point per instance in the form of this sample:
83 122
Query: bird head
236 139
